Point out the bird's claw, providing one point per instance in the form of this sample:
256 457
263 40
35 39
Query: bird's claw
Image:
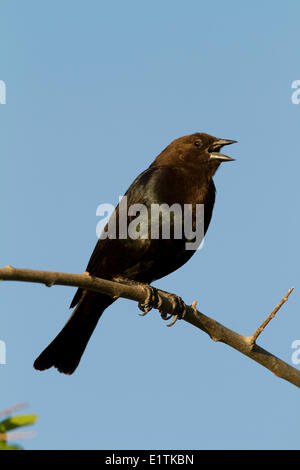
178 308
166 316
152 300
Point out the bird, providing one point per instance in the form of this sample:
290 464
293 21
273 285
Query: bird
181 174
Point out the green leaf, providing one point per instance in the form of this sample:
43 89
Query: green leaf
17 422
4 446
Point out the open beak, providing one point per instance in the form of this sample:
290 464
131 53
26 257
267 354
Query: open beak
218 144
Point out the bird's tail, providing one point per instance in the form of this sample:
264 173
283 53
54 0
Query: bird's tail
66 349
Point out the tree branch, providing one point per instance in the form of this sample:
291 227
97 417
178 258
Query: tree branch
217 332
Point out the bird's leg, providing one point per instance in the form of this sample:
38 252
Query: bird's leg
152 300
178 306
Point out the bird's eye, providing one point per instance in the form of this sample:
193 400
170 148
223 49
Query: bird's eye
197 143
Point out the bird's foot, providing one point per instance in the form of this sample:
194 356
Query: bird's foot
152 300
178 309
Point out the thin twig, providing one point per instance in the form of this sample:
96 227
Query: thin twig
253 338
16 435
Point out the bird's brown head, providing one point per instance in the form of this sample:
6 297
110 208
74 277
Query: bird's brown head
195 151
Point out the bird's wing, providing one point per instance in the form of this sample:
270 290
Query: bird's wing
113 256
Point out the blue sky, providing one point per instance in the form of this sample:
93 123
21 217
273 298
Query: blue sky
95 90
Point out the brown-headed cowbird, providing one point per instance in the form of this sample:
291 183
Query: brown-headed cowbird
181 175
